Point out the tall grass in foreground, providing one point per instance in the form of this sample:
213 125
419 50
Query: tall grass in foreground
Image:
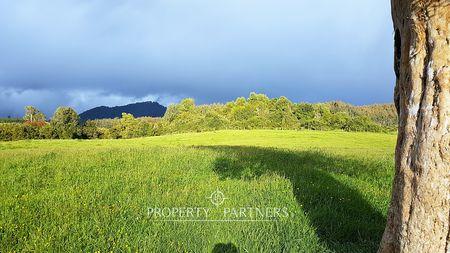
94 195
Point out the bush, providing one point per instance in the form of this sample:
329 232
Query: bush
6 131
363 124
90 131
130 127
47 132
18 131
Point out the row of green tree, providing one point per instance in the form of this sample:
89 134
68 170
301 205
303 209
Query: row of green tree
63 125
261 112
256 112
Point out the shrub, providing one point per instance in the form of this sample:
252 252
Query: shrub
90 131
6 131
47 132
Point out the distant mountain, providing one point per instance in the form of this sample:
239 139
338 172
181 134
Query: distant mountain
151 109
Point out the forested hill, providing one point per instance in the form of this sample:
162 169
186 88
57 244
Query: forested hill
142 109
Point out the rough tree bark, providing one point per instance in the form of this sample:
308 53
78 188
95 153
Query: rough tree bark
418 218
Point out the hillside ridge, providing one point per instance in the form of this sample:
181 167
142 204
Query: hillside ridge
139 109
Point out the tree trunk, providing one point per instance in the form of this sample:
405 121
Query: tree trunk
418 218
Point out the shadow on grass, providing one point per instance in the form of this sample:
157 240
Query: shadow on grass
344 220
225 248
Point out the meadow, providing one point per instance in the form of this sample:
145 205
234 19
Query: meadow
95 195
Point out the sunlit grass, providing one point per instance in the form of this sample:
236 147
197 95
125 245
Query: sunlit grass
69 195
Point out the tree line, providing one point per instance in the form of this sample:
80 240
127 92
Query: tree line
255 112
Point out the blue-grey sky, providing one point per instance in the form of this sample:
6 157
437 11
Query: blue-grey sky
86 53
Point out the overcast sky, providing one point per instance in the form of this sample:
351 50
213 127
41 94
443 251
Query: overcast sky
88 53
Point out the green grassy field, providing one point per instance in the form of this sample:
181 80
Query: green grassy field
95 195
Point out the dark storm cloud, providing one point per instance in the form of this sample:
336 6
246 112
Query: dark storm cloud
88 53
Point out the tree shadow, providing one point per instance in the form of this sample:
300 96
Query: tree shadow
343 219
225 248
